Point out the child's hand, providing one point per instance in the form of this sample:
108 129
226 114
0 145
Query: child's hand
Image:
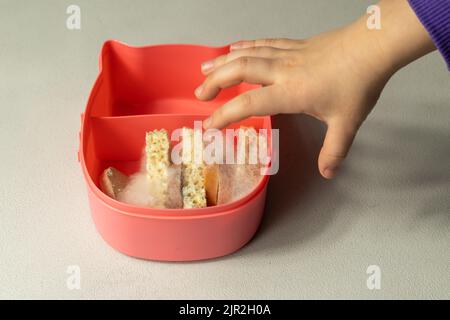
326 77
335 77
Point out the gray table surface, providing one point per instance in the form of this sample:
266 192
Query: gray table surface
390 207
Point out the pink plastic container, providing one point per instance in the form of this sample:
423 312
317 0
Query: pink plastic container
147 88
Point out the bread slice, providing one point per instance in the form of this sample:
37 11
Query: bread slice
112 182
157 164
192 175
237 180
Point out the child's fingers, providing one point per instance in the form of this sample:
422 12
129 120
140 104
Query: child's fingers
275 43
338 140
247 69
256 102
258 52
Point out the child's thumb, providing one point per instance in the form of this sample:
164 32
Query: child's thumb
338 140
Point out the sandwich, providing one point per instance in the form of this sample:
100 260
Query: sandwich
192 170
164 178
193 183
238 179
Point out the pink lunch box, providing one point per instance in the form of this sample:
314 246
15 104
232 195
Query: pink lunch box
139 89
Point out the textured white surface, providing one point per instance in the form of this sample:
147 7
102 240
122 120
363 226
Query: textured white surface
389 207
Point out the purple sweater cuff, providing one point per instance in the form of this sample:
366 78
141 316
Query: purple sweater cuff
435 16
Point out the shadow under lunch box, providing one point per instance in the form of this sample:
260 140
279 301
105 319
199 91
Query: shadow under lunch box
139 89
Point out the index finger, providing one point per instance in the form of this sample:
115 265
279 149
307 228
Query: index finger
258 102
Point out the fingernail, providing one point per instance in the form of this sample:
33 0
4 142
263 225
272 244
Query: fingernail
329 172
237 45
207 123
199 90
207 65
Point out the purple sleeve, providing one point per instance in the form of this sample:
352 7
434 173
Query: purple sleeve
435 16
